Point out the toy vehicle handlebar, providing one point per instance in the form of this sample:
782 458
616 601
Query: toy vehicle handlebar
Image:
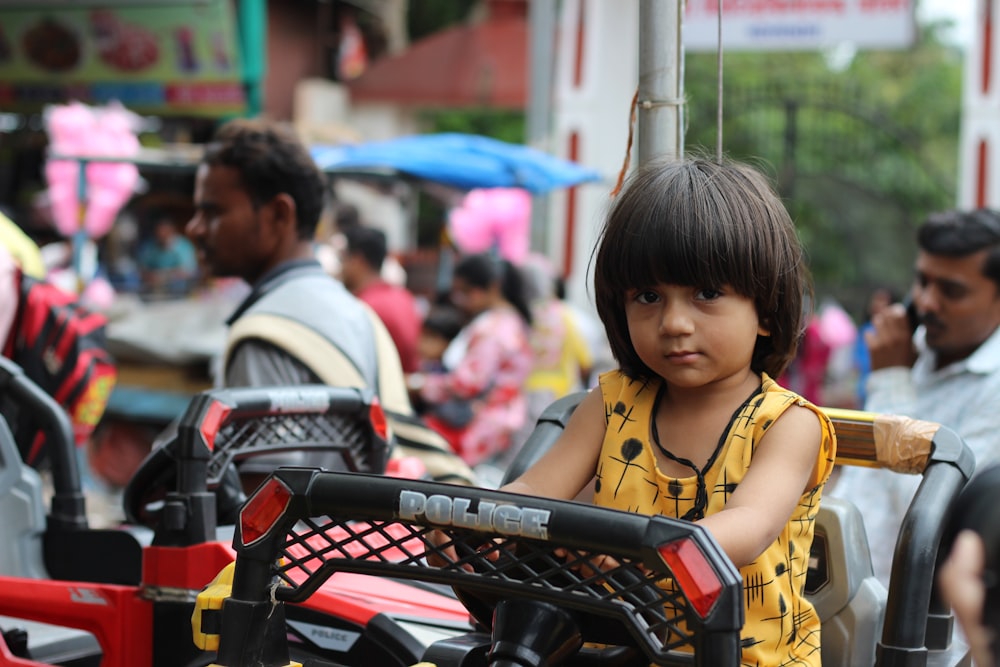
340 428
68 509
297 411
303 525
916 619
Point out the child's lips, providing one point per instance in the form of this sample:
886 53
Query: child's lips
683 356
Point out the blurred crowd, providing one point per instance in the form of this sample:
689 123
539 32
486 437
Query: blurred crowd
485 353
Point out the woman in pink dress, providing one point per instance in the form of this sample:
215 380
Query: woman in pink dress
484 385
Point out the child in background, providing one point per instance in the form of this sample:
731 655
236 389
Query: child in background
451 416
699 281
438 330
486 380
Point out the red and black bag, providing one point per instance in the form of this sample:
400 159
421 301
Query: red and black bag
62 347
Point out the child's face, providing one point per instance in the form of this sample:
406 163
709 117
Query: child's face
693 337
431 345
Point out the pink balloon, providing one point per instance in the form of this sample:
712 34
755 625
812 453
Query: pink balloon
836 327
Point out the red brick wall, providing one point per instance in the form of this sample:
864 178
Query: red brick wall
292 48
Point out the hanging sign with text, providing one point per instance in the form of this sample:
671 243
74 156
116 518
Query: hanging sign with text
178 57
799 25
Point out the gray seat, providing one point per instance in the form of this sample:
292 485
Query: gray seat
23 510
848 598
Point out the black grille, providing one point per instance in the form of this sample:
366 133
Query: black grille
344 442
656 614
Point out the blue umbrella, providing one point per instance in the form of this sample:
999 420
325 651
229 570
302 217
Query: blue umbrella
464 161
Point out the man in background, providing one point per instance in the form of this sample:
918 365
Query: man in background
258 198
167 261
361 268
940 362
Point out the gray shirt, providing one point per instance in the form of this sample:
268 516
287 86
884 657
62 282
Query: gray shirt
302 292
965 396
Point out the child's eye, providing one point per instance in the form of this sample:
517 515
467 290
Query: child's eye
646 296
708 294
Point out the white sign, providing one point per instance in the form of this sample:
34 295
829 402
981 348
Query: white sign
798 25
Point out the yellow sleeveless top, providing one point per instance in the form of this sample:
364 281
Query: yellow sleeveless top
781 626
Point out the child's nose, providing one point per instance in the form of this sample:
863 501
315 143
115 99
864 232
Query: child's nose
675 320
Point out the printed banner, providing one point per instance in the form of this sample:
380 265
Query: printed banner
799 25
178 57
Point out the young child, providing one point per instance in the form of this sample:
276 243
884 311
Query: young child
439 328
699 281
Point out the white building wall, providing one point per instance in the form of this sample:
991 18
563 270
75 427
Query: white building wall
596 77
979 142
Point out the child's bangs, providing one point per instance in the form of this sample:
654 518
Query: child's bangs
698 251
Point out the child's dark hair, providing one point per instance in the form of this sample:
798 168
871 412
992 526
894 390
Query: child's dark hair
700 223
484 270
444 321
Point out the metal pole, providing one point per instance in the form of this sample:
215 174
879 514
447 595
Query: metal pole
541 58
659 110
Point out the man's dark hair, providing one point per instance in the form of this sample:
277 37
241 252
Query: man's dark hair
369 243
270 161
960 233
346 216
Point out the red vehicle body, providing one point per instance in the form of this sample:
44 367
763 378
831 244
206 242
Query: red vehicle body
132 590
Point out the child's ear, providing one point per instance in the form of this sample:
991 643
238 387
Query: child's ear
763 327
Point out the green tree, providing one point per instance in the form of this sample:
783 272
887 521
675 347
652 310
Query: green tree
861 154
503 124
425 17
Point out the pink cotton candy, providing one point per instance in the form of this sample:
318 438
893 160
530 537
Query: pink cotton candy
493 218
78 130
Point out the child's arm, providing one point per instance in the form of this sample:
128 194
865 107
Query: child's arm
561 472
782 470
572 460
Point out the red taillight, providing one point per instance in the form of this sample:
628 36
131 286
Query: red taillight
377 417
264 508
216 414
693 574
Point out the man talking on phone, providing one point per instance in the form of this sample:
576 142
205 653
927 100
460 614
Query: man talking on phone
939 362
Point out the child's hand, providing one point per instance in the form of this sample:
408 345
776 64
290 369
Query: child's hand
439 555
443 551
586 564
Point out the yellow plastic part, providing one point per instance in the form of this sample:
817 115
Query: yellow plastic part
212 597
